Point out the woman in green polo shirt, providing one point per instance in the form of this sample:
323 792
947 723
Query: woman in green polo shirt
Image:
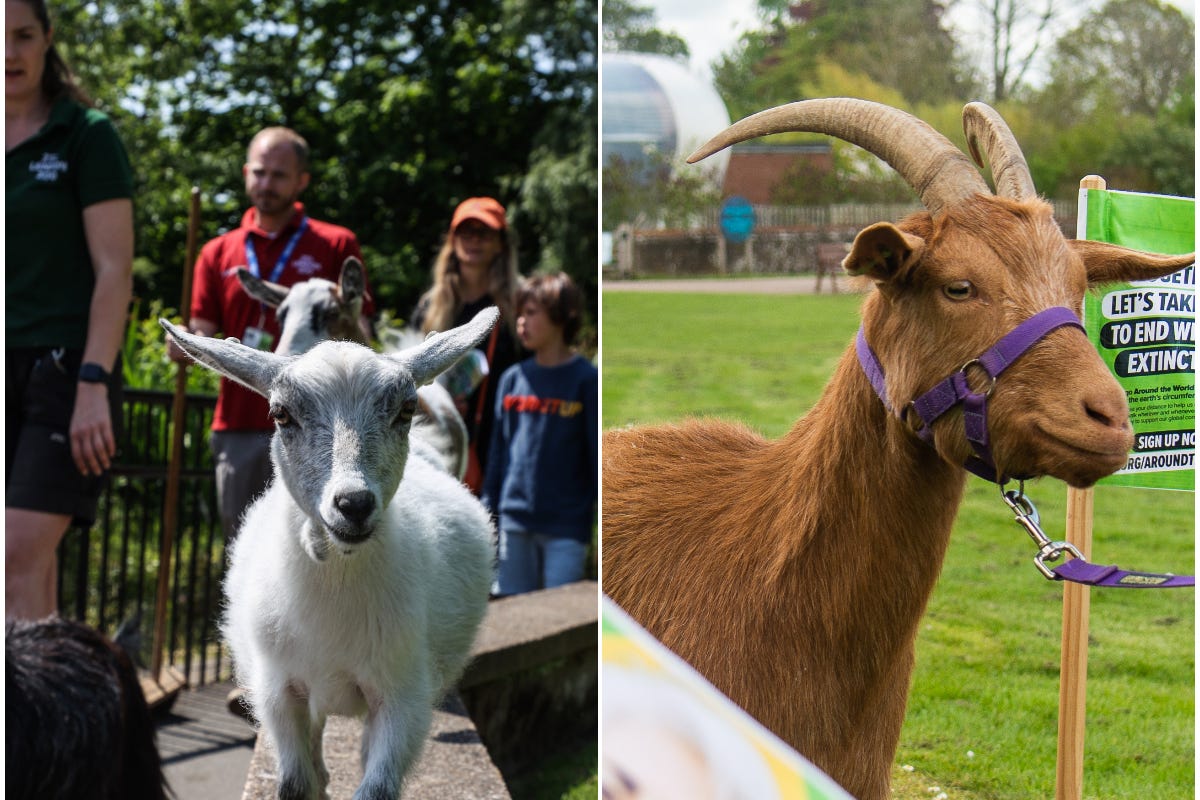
68 259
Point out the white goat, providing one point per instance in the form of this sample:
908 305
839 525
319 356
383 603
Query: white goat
362 575
317 310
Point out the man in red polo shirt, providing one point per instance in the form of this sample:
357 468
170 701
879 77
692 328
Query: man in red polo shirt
277 242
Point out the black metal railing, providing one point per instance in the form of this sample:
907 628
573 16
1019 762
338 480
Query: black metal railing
109 572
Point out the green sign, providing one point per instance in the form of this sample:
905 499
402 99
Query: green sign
1144 332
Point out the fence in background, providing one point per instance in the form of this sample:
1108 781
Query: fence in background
786 240
108 573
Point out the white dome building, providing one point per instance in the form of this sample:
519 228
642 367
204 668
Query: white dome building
651 101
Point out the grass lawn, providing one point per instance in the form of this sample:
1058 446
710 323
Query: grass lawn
983 710
567 774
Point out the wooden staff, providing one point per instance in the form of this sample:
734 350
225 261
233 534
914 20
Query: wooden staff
171 505
1072 692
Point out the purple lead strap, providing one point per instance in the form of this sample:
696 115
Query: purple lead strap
1079 571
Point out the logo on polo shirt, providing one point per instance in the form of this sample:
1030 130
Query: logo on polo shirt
306 265
48 168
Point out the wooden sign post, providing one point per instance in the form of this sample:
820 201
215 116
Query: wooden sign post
1072 692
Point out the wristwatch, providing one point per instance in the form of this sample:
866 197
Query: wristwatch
91 372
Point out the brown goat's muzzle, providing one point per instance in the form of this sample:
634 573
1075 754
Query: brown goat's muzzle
1071 424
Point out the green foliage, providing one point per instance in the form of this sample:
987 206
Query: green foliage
409 108
981 720
559 205
144 354
1119 100
765 68
630 27
657 192
1128 57
1120 103
901 45
568 773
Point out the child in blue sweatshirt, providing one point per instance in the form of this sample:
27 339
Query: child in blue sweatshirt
542 471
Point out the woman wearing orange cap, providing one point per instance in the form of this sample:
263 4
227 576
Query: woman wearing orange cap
476 268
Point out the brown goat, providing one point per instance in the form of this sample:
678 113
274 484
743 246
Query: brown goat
793 573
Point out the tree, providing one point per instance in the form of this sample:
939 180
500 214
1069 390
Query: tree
655 191
408 107
1130 57
631 28
559 195
1016 33
1120 102
901 45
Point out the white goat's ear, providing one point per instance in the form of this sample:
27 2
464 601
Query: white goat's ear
440 351
351 284
254 369
884 253
1110 263
264 291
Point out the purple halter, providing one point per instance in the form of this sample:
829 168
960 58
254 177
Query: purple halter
956 388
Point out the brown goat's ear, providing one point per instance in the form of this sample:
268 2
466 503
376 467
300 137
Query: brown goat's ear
351 285
883 252
1109 263
264 291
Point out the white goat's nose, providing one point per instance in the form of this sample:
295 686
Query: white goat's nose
355 506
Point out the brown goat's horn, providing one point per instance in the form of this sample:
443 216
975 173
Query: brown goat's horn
981 123
939 172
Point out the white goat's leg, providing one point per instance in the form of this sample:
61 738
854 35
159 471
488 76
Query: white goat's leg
287 722
393 736
317 748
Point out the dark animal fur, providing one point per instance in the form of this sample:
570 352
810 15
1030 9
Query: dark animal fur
77 725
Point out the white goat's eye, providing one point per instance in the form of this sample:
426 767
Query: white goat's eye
281 416
959 290
407 409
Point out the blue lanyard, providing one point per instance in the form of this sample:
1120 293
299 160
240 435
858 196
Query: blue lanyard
252 257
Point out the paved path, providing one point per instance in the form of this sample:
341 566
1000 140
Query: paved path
205 749
784 284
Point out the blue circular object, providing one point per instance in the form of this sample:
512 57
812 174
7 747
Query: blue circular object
737 219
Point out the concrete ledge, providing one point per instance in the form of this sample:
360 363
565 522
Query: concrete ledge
526 631
454 765
533 685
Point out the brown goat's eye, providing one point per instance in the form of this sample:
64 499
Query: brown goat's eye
281 416
959 290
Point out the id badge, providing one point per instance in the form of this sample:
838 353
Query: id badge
258 339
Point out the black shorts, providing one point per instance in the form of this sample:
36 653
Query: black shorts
39 395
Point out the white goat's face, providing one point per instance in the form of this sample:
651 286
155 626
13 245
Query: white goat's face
342 417
307 315
343 414
314 310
